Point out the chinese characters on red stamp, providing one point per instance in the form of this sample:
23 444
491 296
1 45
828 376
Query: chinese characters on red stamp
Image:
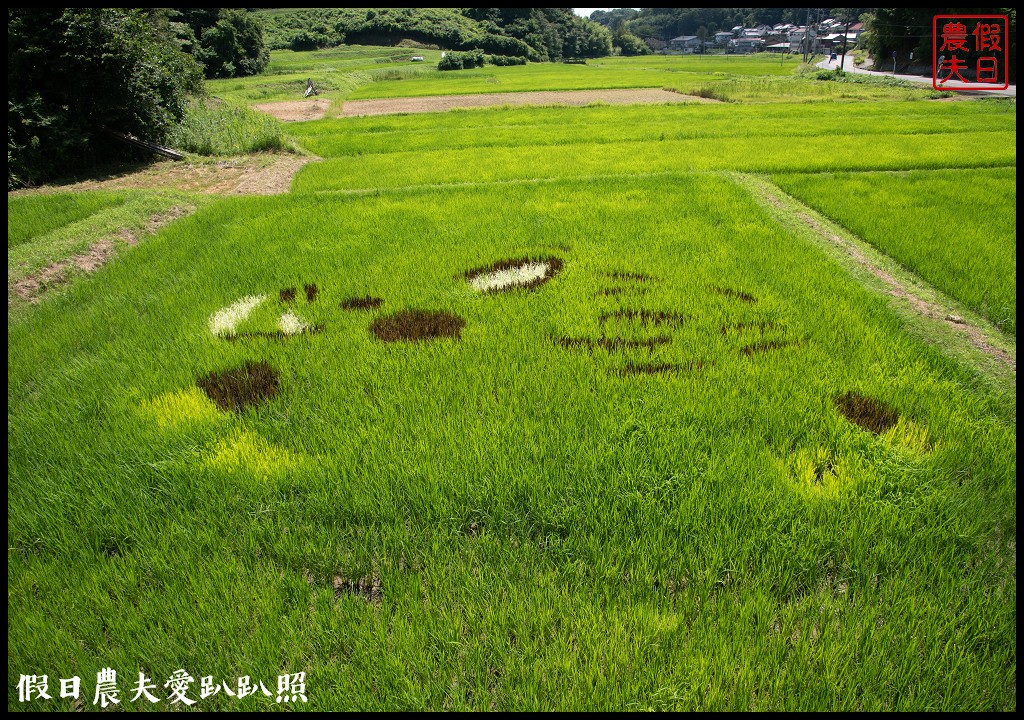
970 50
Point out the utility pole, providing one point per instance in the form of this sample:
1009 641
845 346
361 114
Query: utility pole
807 35
846 35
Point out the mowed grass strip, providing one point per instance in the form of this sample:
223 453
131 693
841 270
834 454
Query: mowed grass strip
496 127
756 154
30 216
120 215
501 522
957 229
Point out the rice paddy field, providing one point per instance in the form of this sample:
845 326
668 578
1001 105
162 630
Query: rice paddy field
537 408
364 72
955 228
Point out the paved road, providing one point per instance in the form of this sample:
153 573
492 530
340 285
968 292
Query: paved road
950 85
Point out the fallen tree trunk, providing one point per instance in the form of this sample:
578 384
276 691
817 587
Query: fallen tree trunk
145 144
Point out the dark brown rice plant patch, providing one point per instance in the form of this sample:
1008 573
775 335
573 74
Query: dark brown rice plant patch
730 293
362 303
761 326
634 276
611 344
417 325
366 588
239 388
311 291
867 412
647 317
287 295
657 368
763 347
554 267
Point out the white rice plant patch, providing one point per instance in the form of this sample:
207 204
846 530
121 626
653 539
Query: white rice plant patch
226 320
510 274
501 279
291 324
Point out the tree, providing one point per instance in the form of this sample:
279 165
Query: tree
234 46
629 44
73 71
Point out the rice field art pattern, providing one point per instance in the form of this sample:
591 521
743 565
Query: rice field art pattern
698 468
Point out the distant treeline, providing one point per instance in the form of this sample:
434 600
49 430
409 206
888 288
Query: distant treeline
539 34
667 23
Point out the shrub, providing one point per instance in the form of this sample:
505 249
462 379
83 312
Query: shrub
450 61
462 60
506 60
630 44
307 40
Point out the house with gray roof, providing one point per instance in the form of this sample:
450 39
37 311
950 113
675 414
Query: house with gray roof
685 44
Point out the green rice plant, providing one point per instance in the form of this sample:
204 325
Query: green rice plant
356 72
30 216
497 127
504 520
336 72
530 162
226 129
957 229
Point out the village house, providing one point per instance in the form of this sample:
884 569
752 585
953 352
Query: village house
745 45
722 38
686 44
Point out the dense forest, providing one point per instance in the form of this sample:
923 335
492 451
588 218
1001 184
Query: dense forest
539 34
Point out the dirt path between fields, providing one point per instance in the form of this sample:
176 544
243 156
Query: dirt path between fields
440 103
266 174
933 309
31 287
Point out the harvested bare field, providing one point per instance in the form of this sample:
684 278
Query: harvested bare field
295 110
392 106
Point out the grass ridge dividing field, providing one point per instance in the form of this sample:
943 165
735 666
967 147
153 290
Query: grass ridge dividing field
51 258
957 229
29 217
929 314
